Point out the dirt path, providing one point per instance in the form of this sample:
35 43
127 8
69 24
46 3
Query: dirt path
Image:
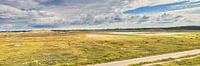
150 64
148 33
149 58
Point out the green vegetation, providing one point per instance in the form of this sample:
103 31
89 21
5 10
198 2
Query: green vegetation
143 63
187 62
72 48
163 60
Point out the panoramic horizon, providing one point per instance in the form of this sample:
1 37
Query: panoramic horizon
99 32
101 14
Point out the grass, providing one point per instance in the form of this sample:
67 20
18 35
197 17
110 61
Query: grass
163 60
149 62
74 48
186 62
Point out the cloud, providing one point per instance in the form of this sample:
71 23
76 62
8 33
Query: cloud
36 14
20 3
10 12
164 7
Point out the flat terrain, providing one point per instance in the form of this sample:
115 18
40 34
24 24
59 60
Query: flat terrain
150 58
185 62
75 48
149 33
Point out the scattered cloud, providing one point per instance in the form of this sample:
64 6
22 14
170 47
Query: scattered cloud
164 7
69 14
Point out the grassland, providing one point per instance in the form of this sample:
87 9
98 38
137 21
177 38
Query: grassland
163 62
74 48
186 62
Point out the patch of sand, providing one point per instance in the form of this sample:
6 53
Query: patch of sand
98 35
148 33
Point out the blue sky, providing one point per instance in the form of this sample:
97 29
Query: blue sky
164 7
96 14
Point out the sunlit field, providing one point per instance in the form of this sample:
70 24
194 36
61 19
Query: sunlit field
186 62
75 48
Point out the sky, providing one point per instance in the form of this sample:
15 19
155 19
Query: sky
97 14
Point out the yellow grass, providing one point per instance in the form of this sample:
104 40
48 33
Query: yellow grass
45 48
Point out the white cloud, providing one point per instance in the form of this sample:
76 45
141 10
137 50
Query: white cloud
95 13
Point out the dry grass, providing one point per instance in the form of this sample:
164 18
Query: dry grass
184 62
82 48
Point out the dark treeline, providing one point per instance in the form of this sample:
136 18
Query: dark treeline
180 28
